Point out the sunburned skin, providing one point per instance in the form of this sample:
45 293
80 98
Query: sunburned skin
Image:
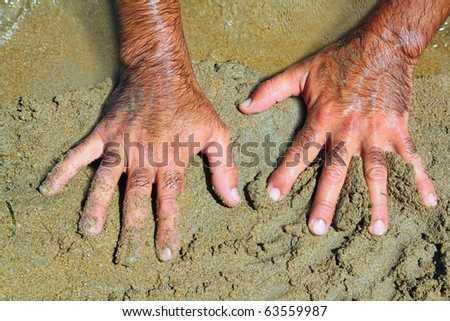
357 93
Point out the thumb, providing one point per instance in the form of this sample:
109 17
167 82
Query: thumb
283 85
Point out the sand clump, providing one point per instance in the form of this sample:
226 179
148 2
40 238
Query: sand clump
258 251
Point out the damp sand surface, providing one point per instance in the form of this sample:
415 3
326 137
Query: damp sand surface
258 251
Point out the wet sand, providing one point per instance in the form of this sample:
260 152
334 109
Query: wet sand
258 251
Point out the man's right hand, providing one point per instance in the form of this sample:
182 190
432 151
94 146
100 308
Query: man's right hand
357 93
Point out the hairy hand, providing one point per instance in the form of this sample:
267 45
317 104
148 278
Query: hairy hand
151 127
357 93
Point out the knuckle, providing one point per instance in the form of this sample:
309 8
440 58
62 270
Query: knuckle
309 134
140 178
295 71
377 173
380 200
84 142
304 144
306 136
167 207
325 207
410 147
74 152
267 86
167 200
337 155
376 125
297 146
423 180
104 172
172 182
350 124
283 178
377 157
333 174
111 159
324 114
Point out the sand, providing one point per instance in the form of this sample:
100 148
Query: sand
258 251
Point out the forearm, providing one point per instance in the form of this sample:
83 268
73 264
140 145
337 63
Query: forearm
151 37
408 24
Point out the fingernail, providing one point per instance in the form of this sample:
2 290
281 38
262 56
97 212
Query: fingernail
318 227
127 253
246 103
164 254
235 195
378 228
88 226
44 188
275 194
431 200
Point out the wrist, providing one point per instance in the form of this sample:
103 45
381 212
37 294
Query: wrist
165 75
151 37
382 43
405 42
164 64
407 25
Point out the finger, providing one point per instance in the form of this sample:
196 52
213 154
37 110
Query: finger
329 187
83 154
375 173
136 207
169 185
101 191
275 89
408 152
224 174
303 151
